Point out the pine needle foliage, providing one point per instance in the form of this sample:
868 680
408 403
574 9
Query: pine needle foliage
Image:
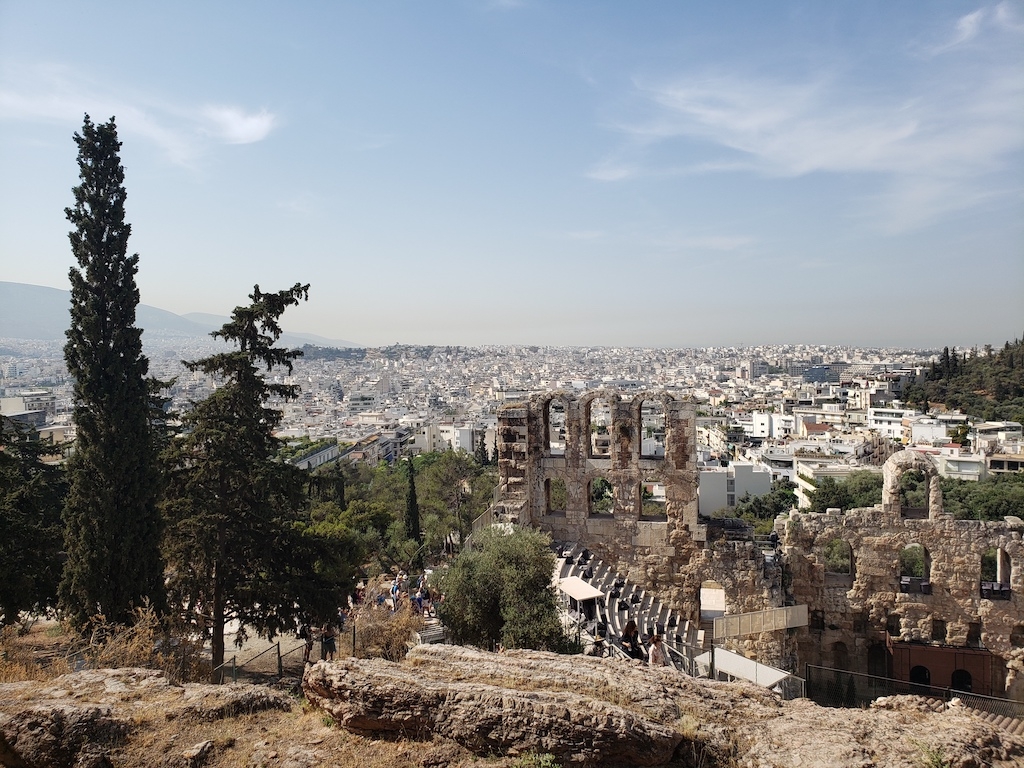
237 541
112 527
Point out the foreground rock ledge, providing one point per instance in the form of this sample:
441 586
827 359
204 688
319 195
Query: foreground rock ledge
610 712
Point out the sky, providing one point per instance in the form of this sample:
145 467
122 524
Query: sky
656 174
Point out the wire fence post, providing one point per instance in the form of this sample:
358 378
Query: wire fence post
234 670
280 663
353 637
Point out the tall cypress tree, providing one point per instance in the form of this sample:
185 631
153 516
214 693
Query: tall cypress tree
412 507
112 528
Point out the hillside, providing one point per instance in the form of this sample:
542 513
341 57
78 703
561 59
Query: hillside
987 383
460 707
41 313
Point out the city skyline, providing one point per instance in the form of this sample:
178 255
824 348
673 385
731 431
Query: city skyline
533 173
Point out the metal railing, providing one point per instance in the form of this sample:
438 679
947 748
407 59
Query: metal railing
234 667
840 688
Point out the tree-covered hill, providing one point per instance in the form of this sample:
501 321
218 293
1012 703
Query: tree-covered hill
988 384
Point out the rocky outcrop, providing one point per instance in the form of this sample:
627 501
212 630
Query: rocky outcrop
590 711
495 717
76 720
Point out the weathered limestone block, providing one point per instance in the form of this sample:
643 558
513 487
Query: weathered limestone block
515 702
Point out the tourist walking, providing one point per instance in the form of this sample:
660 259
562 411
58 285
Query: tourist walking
658 656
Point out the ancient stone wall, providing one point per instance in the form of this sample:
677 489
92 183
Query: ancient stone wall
856 614
669 553
859 619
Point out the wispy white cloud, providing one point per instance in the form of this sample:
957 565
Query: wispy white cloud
932 138
58 94
234 126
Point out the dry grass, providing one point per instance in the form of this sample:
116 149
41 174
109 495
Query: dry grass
382 634
51 650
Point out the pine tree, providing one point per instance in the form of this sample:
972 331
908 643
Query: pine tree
237 540
112 527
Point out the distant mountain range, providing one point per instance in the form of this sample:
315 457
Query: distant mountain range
37 312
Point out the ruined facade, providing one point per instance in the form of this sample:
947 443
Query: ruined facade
591 467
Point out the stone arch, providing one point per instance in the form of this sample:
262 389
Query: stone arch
598 423
892 473
556 426
651 415
920 675
840 656
960 680
915 565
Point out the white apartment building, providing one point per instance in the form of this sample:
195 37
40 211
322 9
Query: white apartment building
725 487
889 421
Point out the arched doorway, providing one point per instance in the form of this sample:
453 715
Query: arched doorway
920 676
960 680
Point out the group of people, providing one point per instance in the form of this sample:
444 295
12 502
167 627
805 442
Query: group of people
419 599
656 656
326 634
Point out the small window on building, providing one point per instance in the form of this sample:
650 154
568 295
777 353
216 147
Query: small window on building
817 621
938 631
860 623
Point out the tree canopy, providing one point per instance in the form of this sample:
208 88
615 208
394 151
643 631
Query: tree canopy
31 495
987 384
499 591
238 541
112 526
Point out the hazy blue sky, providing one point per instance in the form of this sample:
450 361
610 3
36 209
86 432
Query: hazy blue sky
656 173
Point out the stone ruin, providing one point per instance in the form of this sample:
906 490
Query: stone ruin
582 468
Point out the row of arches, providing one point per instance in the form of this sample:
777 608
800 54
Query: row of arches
915 565
649 415
648 500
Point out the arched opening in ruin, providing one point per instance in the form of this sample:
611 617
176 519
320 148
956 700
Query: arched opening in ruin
556 495
915 570
652 429
878 659
839 560
599 428
712 600
960 680
601 494
995 574
920 675
1017 636
555 427
914 494
652 500
840 656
